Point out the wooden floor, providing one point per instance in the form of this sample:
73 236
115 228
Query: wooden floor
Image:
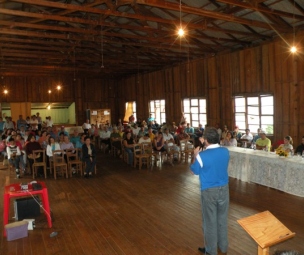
126 211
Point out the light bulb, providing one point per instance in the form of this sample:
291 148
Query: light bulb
5 91
293 49
50 91
58 87
181 32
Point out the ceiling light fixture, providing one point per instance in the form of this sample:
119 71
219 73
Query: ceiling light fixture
181 31
101 47
74 65
293 48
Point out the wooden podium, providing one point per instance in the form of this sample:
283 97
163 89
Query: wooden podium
266 230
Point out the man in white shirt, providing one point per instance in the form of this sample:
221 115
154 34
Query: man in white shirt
34 123
104 135
8 124
219 130
49 122
248 135
39 120
135 130
169 141
86 126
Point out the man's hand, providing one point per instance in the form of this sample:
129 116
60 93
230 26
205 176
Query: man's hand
196 151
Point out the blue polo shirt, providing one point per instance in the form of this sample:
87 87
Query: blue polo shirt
212 167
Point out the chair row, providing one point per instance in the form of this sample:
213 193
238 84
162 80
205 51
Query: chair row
144 153
64 162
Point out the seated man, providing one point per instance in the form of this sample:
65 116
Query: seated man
169 141
105 135
62 130
181 127
189 130
13 154
257 136
237 134
151 134
300 148
86 126
145 139
116 139
263 142
248 136
75 138
182 136
135 130
200 131
141 132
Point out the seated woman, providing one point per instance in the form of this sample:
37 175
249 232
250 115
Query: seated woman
43 138
32 145
145 139
229 139
287 145
159 142
128 143
52 146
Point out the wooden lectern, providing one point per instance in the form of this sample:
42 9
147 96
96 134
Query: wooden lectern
266 230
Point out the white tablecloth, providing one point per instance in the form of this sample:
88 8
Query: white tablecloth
266 168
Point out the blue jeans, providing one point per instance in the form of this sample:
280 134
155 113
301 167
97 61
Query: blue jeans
130 155
215 205
15 161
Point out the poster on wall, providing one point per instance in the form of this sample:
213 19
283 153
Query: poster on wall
100 116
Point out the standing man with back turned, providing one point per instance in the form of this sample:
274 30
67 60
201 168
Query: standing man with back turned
212 167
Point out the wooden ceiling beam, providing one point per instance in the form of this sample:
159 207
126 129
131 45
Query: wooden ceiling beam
72 37
293 2
139 47
262 9
210 14
69 57
159 4
78 30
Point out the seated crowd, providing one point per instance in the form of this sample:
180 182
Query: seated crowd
20 140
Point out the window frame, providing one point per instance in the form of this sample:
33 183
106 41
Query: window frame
162 114
259 116
189 114
134 107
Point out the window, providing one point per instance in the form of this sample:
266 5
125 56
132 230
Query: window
130 109
195 111
158 110
253 112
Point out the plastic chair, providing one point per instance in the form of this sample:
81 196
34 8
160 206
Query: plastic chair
37 163
59 163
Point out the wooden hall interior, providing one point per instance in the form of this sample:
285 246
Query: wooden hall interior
107 53
124 210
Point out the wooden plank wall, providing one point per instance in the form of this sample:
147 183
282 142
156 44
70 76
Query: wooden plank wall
268 68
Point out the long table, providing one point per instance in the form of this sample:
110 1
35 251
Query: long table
268 169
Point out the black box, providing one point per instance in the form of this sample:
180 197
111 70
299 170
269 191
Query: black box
27 208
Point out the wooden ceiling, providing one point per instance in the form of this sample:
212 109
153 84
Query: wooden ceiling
116 38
